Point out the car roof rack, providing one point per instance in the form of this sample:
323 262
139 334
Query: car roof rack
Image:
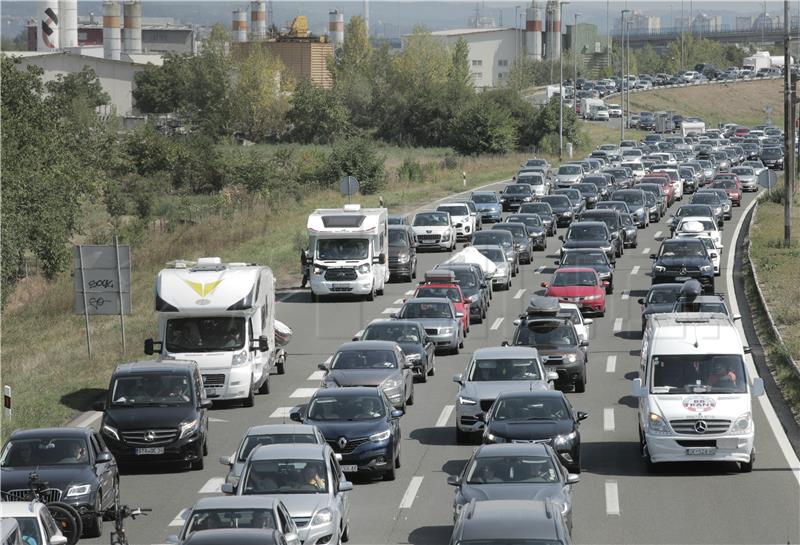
539 305
440 276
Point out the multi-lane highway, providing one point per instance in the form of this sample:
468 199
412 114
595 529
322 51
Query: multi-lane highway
617 501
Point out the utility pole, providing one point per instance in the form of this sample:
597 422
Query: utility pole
560 85
575 59
608 33
623 77
628 25
788 126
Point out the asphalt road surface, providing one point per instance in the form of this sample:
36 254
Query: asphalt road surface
615 502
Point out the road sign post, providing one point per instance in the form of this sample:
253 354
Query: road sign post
348 185
7 400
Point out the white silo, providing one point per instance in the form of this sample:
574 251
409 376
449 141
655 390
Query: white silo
336 28
132 34
239 26
112 37
68 26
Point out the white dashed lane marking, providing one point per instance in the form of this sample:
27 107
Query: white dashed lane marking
213 486
281 412
611 364
496 324
519 294
626 295
612 498
445 416
608 419
646 251
658 235
540 270
398 302
617 325
180 519
316 375
390 310
410 292
411 492
303 392
635 270
217 420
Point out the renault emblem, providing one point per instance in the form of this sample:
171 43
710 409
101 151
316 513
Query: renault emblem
342 442
149 436
701 426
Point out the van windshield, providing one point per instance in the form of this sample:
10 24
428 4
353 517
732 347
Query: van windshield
215 334
690 373
332 249
151 389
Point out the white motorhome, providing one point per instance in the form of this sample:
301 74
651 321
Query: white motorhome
697 127
222 316
587 104
348 250
694 391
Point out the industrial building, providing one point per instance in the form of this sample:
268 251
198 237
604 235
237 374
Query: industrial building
492 52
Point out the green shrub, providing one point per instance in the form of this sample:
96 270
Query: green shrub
483 126
357 157
410 170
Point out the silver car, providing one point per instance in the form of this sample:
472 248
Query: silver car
490 372
747 177
439 318
569 175
309 481
267 434
502 276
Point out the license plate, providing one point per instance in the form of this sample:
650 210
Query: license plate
350 469
339 286
704 451
682 278
212 392
149 451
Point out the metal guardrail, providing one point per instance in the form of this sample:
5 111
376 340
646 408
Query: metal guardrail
698 84
775 331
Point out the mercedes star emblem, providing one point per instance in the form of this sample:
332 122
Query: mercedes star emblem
149 436
701 426
342 442
683 271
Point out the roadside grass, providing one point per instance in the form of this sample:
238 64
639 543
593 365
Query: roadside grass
742 102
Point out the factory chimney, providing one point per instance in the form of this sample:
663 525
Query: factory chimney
533 31
553 35
47 18
111 29
239 26
68 34
132 34
366 15
336 28
258 20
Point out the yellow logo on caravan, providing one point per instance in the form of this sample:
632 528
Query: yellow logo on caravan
204 289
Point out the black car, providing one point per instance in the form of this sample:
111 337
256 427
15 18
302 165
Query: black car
575 198
613 221
589 234
474 286
680 259
411 337
593 258
402 252
772 158
589 191
514 195
660 200
156 410
523 242
636 201
74 464
397 220
360 424
660 298
537 417
536 229
562 208
545 213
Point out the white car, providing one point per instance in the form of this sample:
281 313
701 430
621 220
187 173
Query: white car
714 252
600 114
614 110
636 167
581 324
434 230
462 219
699 226
36 524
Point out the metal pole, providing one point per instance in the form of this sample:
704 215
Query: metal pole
575 59
622 80
85 303
560 84
119 289
628 60
608 33
788 124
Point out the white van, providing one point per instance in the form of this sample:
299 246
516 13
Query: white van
694 392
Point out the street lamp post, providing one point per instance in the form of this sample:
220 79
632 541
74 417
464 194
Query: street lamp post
575 59
560 86
623 78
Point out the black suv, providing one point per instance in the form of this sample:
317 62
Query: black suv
613 221
562 208
156 410
589 234
74 464
514 195
681 259
474 286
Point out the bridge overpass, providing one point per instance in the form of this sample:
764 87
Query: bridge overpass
727 34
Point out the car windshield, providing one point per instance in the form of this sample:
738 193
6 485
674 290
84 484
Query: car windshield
556 201
726 183
619 206
588 189
536 208
547 334
431 219
531 220
45 452
536 163
574 278
397 332
626 220
489 238
584 258
708 225
587 232
29 530
569 170
743 171
691 210
706 198
517 230
151 389
511 470
528 179
634 199
364 360
286 476
211 519
691 373
666 295
572 194
530 408
331 249
686 248
518 189
454 210
426 310
347 407
496 255
486 370
398 238
483 198
446 293
213 334
252 441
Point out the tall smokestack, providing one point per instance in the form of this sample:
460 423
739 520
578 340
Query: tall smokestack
68 12
336 28
533 31
552 37
366 15
239 26
258 20
556 30
132 35
47 32
111 29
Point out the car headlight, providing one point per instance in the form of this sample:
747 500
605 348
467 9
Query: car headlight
659 268
413 357
657 424
567 213
403 258
79 490
474 298
381 436
363 268
562 440
239 358
743 424
317 270
391 384
492 438
446 235
188 428
527 199
445 330
466 401
323 516
591 297
111 431
706 268
572 358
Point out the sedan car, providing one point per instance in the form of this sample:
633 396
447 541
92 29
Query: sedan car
434 230
441 321
502 276
562 208
504 239
575 198
579 285
548 417
443 283
536 180
411 338
731 186
748 178
613 221
536 229
372 363
589 192
772 158
660 298
523 242
593 258
569 175
488 204
490 372
727 205
712 200
545 213
514 195
636 201
589 234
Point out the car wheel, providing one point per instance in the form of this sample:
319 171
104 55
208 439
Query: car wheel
410 400
94 527
462 437
371 295
390 474
432 368
747 467
346 534
461 343
198 464
580 385
205 447
379 292
423 377
609 289
250 400
264 388
635 244
314 297
414 271
455 351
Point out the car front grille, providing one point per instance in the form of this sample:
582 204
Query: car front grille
301 522
159 437
680 268
341 275
212 381
428 238
432 331
21 494
352 444
689 427
486 404
553 360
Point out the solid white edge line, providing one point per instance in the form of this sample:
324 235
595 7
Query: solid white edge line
519 293
608 419
411 492
635 269
611 364
88 419
497 322
444 417
180 519
212 486
617 325
769 411
612 498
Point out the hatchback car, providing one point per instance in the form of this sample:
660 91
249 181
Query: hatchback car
536 229
579 285
689 210
631 232
589 234
545 213
514 195
636 201
613 221
523 242
747 177
727 205
34 524
502 276
731 186
474 285
712 200
488 204
593 258
434 230
569 175
660 298
236 536
442 283
411 337
562 208
511 521
502 238
441 321
536 180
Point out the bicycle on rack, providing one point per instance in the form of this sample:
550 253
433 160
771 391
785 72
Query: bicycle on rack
67 517
119 536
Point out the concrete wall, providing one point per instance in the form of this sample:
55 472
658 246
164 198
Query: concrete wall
491 53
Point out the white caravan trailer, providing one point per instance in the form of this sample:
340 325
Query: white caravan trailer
348 250
221 315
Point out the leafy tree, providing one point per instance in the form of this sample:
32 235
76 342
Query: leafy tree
83 86
483 126
459 71
357 157
317 115
527 72
547 123
356 51
159 89
648 60
522 112
259 107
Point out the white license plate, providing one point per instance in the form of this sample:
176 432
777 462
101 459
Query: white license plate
682 278
149 451
212 392
704 451
350 469
339 286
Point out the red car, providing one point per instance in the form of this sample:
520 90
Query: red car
741 131
579 285
664 182
443 284
732 186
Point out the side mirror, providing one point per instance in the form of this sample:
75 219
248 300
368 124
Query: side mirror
263 343
588 321
397 413
757 389
517 322
345 486
552 376
104 458
637 390
206 404
640 300
322 366
480 417
747 350
453 480
484 285
736 317
170 540
227 488
458 378
584 344
226 460
573 478
557 262
713 256
606 282
459 314
561 238
408 365
99 405
504 343
652 256
149 347
58 540
544 284
582 415
382 259
295 416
